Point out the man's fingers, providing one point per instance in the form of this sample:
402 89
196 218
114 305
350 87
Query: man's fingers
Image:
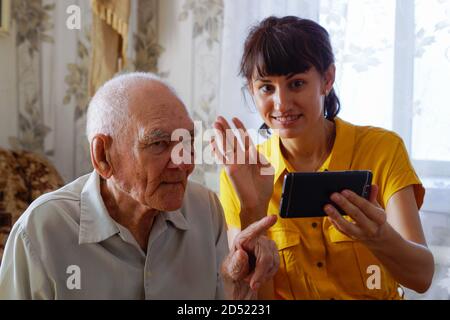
267 262
237 267
247 236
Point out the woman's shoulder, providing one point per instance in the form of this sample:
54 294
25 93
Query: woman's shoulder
376 137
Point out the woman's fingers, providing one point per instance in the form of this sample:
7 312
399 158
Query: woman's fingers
370 209
217 152
224 142
348 228
245 137
359 216
242 154
231 146
368 216
249 147
373 195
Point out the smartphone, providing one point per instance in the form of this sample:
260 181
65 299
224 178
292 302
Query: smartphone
305 194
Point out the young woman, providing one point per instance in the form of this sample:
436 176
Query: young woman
289 66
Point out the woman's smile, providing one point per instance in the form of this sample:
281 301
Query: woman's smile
287 120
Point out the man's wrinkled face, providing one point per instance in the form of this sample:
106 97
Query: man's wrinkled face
141 158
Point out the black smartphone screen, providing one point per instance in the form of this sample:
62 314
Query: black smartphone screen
306 193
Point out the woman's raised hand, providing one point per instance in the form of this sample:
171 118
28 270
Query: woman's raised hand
250 172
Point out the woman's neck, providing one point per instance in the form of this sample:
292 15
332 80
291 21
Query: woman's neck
308 151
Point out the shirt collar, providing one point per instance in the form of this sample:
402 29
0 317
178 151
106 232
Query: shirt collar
177 218
341 155
341 158
97 225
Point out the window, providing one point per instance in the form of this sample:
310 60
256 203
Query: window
393 71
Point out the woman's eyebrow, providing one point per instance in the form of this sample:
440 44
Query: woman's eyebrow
262 80
298 74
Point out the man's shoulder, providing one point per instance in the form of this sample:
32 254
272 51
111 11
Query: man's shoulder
200 200
52 206
198 193
203 211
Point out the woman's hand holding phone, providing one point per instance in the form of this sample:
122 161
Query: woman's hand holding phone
370 220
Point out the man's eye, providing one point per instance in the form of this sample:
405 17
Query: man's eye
158 146
297 83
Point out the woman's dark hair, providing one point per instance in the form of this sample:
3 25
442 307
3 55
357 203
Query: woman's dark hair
289 45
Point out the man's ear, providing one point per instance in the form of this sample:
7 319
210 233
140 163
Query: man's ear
100 155
329 78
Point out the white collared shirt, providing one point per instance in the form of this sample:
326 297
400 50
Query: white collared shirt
66 246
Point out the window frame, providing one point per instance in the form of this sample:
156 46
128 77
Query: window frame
437 198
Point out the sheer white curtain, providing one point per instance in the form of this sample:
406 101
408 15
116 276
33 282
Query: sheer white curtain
239 16
393 70
64 70
66 132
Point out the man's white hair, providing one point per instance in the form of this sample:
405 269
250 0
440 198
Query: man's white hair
108 109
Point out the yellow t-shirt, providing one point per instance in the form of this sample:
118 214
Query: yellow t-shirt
316 260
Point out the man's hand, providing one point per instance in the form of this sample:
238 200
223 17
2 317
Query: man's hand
253 260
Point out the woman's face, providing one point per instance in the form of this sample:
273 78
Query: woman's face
292 104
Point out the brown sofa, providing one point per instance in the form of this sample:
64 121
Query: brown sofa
24 176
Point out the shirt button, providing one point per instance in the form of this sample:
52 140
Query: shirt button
314 224
319 264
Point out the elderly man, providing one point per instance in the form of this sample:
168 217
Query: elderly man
134 228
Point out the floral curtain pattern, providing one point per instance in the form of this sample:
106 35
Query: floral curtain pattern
61 91
61 137
33 21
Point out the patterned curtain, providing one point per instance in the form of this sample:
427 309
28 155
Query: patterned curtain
53 75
